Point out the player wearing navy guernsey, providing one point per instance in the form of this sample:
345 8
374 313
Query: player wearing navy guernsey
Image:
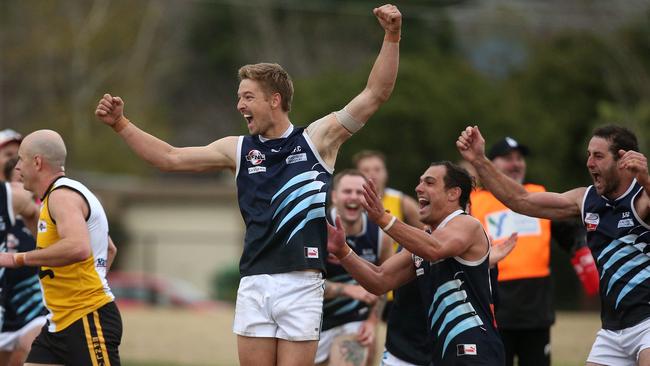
350 313
24 313
282 175
450 265
615 213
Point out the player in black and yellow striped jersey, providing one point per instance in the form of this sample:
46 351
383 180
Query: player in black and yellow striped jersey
84 325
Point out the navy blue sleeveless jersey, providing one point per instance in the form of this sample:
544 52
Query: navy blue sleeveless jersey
23 297
458 296
7 220
406 330
343 310
619 240
281 186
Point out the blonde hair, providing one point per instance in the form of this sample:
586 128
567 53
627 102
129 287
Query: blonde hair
272 79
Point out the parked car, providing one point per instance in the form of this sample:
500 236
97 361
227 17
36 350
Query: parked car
138 289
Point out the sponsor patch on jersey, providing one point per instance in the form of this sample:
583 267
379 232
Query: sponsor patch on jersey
625 223
101 262
255 157
42 226
591 221
466 350
417 261
311 252
295 158
419 272
256 169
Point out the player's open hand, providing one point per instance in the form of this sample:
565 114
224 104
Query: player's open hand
336 238
366 335
471 144
110 109
636 163
372 202
389 18
501 250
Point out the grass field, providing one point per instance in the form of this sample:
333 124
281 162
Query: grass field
167 337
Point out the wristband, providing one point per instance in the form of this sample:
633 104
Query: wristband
390 224
346 255
19 259
121 124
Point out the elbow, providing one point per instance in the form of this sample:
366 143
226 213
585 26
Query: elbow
383 94
430 254
81 253
377 290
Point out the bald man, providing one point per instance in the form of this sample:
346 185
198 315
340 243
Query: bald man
84 325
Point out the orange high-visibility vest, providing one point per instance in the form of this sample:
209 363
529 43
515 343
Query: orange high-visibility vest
530 257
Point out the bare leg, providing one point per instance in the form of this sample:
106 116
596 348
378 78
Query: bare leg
296 353
4 358
347 351
644 357
372 352
257 351
19 355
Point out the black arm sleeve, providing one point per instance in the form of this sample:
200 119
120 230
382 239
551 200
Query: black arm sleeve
570 235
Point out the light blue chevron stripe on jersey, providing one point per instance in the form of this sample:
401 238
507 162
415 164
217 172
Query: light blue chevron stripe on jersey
639 260
634 282
35 299
303 205
309 187
313 214
26 282
455 313
446 302
627 239
347 308
464 325
18 297
445 287
623 252
310 175
35 311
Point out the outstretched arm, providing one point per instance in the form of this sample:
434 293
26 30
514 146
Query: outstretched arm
461 237
69 209
549 205
396 271
218 155
329 132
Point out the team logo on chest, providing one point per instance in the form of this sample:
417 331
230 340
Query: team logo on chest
42 226
591 221
417 262
255 157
